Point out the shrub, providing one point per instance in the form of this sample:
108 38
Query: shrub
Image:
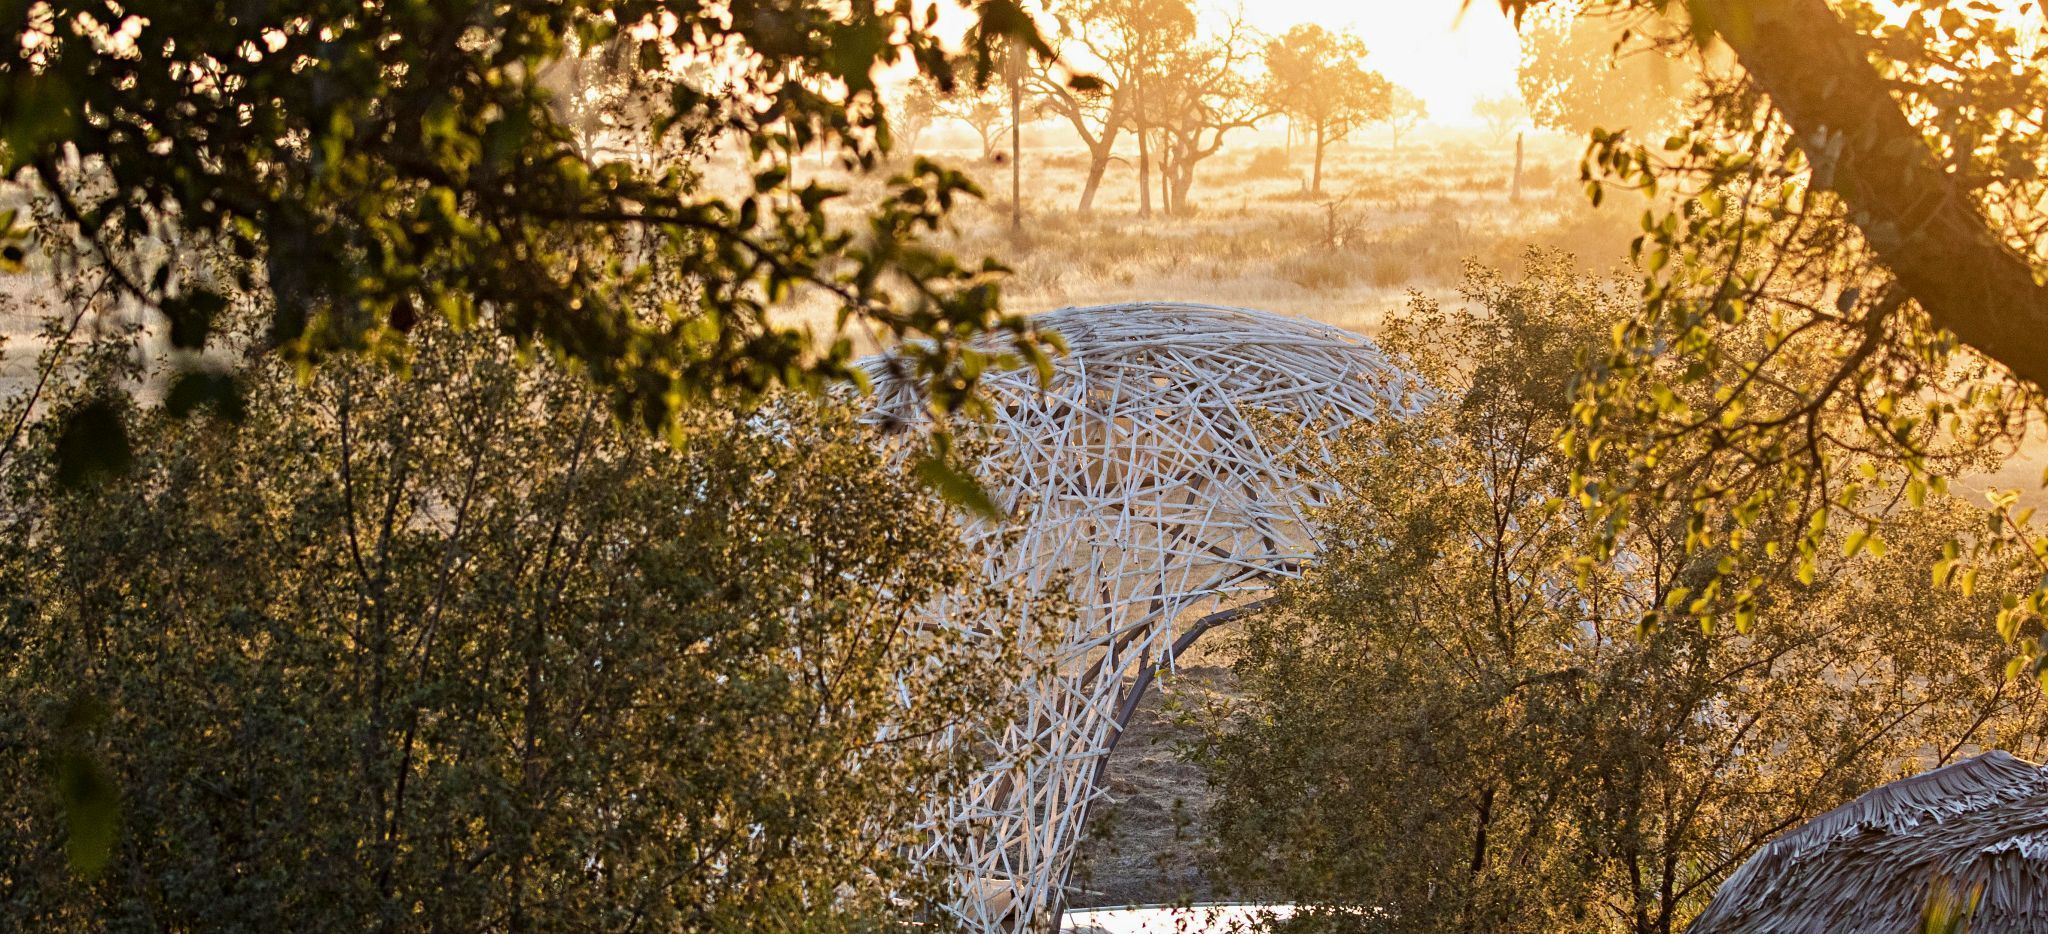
1453 723
1268 163
457 651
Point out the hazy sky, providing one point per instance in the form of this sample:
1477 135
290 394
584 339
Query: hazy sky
1423 45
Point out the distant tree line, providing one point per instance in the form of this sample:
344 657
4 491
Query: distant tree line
1171 84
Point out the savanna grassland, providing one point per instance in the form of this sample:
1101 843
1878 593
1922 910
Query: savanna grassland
430 498
1390 219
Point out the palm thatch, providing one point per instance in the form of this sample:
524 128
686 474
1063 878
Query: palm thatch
1976 827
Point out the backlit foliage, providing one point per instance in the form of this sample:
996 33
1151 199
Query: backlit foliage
366 165
1604 69
458 651
1781 381
1454 722
1316 78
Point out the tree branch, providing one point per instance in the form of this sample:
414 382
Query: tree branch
1919 219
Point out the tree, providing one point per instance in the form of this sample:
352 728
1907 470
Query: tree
1197 94
1097 115
1013 81
1502 114
985 110
351 183
1454 723
459 650
1867 195
919 104
1315 78
1120 43
1112 33
1582 71
1404 112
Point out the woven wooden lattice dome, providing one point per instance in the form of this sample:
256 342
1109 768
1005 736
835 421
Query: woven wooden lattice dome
1141 475
1870 865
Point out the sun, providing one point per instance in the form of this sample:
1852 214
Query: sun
1449 56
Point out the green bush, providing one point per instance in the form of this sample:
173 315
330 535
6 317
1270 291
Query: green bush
1454 722
454 651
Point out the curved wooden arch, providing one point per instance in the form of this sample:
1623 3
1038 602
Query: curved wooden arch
1144 475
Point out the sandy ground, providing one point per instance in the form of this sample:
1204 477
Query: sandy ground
1142 840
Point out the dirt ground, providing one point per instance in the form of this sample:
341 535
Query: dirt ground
1143 839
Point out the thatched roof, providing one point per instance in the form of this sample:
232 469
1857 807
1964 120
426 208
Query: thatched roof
1869 865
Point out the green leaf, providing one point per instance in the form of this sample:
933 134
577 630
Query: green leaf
91 812
191 317
958 488
90 796
36 112
13 243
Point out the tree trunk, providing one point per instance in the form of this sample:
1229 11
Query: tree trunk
1168 165
1515 189
1144 154
1315 185
1016 69
1183 179
1098 163
1922 224
1482 822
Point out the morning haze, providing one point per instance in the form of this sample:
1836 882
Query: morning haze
1023 465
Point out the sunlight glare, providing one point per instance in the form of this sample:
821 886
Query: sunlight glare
1449 59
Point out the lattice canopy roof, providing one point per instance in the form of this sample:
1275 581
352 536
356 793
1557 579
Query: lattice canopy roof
1156 473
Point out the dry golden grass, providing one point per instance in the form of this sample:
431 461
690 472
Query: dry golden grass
1387 222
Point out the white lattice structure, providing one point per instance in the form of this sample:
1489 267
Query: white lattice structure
1137 475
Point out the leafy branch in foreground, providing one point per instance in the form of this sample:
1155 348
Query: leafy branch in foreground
339 169
1841 261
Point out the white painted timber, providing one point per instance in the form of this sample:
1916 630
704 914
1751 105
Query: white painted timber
1157 476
